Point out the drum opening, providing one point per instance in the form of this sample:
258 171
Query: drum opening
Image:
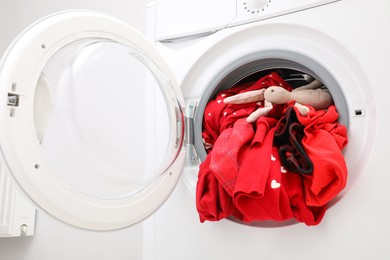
294 73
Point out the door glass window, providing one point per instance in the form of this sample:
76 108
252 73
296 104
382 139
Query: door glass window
102 119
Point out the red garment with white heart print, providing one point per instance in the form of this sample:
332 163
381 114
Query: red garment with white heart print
242 176
250 184
231 138
259 193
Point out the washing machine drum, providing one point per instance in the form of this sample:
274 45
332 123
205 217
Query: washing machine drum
81 92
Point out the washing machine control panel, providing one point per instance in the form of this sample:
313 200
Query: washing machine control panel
255 10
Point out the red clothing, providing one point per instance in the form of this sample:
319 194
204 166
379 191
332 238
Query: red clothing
214 113
229 150
256 187
323 142
243 176
288 138
302 212
219 116
259 194
212 200
224 173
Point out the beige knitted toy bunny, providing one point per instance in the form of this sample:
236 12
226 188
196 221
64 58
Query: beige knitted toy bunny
312 94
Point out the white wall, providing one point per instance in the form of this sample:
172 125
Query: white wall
15 15
52 239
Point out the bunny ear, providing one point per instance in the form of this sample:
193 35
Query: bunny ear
247 97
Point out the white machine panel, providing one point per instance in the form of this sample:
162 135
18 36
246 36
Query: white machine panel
17 215
178 20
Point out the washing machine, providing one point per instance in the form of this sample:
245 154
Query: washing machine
101 128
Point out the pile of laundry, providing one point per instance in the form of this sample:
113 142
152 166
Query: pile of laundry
285 164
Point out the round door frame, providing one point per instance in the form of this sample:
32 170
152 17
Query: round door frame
22 156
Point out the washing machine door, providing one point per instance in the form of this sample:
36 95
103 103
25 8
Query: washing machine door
91 120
